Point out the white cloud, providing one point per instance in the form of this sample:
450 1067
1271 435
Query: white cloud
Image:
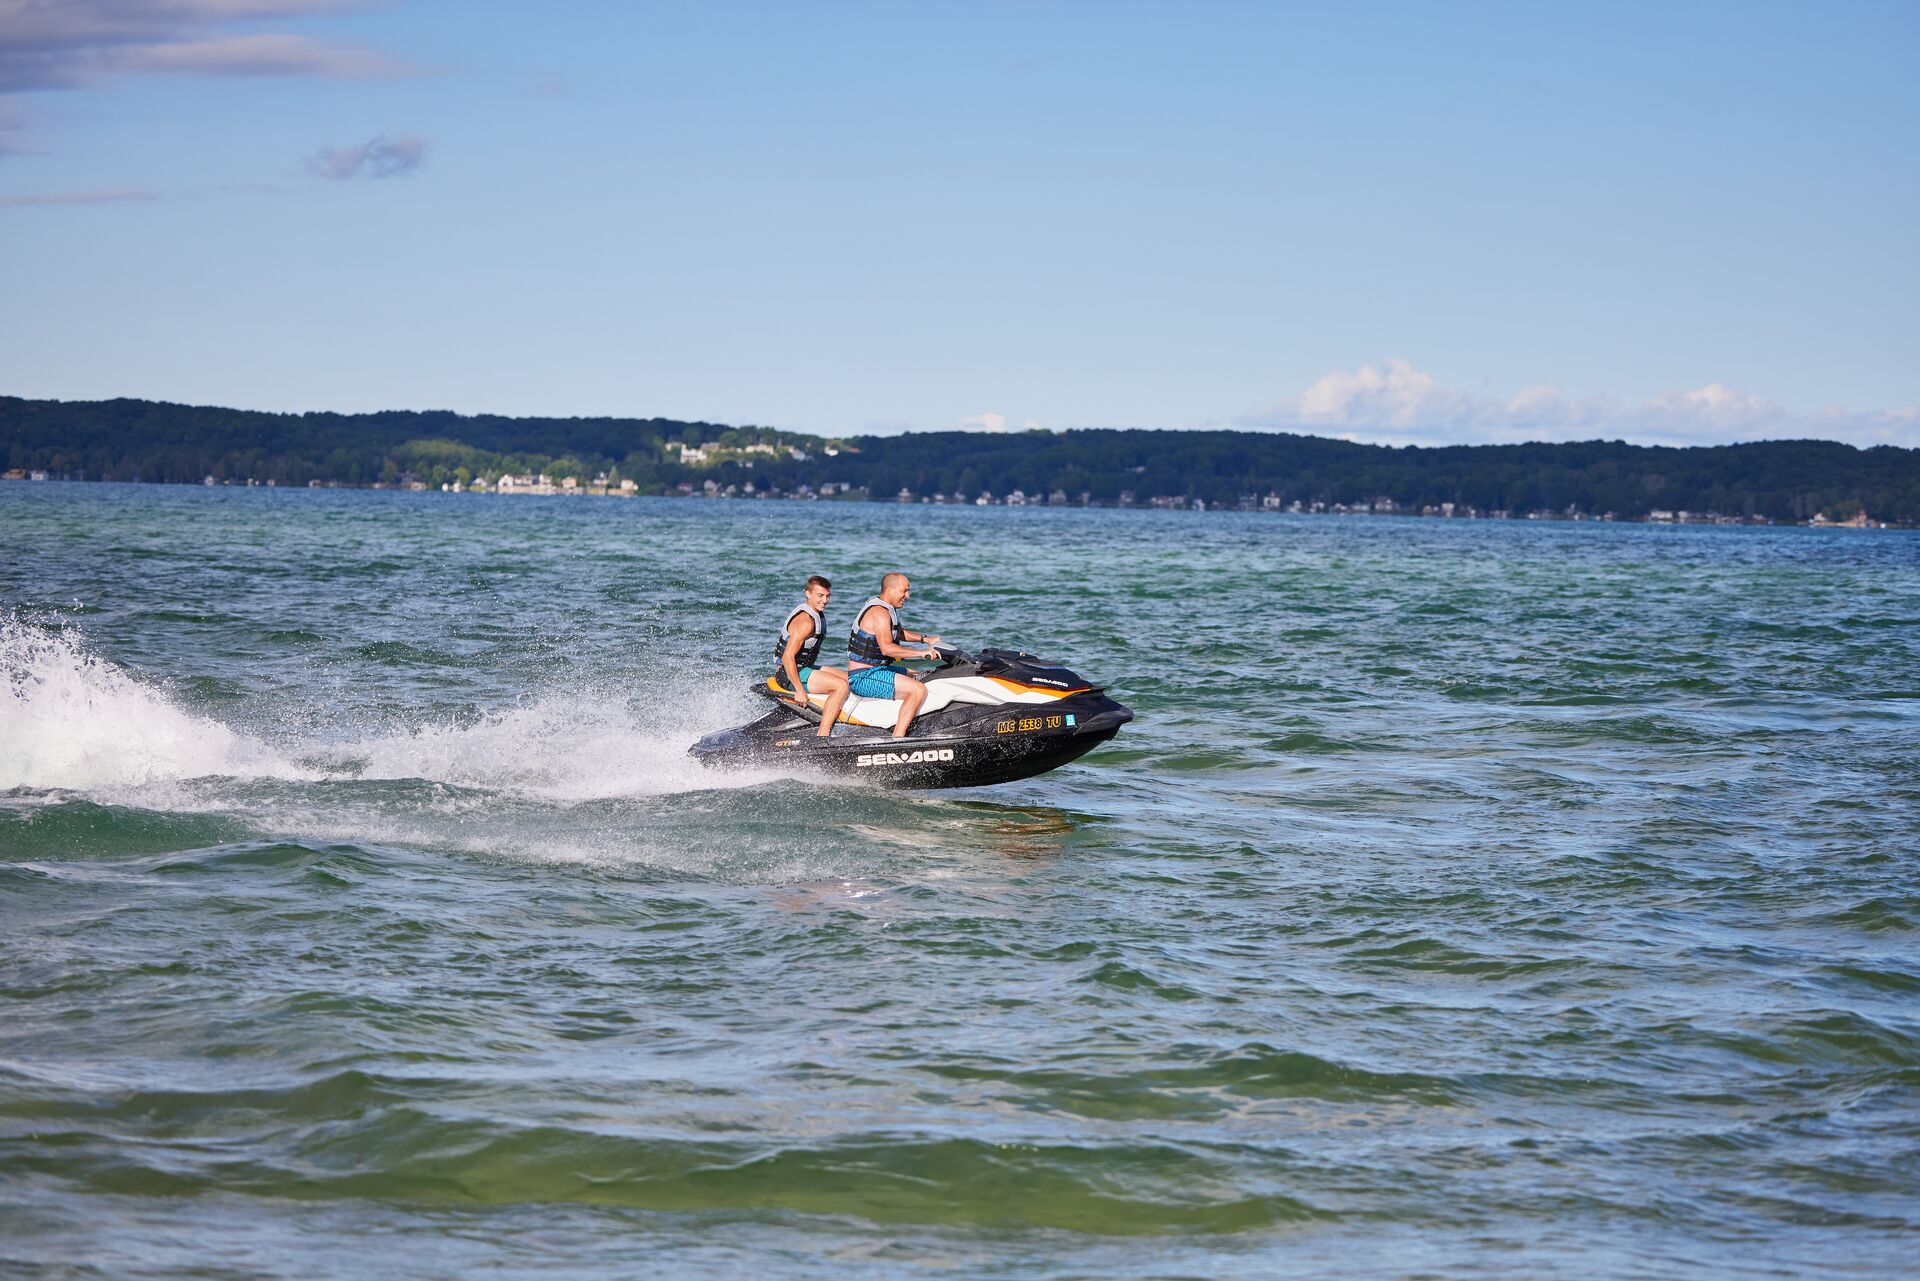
76 198
1394 403
375 158
259 55
67 44
11 127
983 422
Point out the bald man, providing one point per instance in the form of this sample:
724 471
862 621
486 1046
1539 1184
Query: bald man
876 644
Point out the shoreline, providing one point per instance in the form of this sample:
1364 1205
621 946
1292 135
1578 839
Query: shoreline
1709 519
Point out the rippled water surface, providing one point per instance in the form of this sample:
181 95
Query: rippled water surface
1468 900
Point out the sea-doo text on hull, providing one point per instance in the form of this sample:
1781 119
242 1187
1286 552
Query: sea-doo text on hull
993 718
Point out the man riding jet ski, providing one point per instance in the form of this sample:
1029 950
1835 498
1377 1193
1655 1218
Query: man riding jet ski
991 718
875 647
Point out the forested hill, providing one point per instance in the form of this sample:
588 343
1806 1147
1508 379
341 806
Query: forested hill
151 441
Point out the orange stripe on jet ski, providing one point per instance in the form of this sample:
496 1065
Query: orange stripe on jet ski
1036 689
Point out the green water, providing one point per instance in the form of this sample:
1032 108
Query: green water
1468 900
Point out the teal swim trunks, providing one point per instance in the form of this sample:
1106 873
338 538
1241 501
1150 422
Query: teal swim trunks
873 682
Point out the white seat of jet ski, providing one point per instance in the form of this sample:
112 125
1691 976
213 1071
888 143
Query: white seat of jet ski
883 713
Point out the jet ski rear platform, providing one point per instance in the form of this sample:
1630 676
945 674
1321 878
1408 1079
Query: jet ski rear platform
994 718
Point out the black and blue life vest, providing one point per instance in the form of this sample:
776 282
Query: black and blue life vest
809 652
863 648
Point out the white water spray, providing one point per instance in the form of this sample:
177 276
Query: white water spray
71 720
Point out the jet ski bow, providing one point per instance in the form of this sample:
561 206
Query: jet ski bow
989 718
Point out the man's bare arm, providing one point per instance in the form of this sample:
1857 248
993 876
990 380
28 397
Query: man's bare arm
884 634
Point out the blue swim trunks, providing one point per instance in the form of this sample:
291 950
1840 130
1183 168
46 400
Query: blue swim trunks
873 682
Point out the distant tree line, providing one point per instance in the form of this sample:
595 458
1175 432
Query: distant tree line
151 441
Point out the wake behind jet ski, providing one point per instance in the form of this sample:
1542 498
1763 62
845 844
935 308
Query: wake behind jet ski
991 718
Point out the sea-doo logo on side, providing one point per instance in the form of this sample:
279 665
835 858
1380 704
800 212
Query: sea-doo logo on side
925 756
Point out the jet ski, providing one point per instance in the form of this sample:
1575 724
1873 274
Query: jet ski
989 718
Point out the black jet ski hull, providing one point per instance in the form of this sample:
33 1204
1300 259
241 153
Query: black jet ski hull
1000 745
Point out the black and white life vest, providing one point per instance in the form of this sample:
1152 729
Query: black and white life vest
809 653
863 648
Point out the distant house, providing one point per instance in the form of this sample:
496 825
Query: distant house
1859 520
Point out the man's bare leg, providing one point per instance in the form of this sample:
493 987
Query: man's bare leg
832 683
911 694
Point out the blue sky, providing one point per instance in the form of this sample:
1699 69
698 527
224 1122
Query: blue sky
1395 222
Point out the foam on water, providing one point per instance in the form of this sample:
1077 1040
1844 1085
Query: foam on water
562 748
70 720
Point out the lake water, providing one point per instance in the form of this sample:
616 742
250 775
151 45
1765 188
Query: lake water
1468 899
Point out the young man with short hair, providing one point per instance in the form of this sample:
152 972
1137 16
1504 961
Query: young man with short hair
799 651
